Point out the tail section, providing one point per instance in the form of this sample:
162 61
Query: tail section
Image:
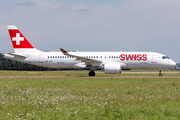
19 42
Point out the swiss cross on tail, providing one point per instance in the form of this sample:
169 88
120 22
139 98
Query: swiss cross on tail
17 38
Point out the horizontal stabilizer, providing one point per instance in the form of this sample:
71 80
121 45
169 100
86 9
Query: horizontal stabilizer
17 55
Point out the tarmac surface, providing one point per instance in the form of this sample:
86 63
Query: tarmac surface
90 77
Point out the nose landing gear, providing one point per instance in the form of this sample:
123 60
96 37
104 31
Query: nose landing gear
160 74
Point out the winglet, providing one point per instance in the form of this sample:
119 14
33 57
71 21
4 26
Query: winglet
63 51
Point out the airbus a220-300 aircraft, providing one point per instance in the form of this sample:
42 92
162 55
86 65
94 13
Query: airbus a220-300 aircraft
109 62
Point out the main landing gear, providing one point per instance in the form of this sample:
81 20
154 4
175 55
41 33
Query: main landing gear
91 73
160 74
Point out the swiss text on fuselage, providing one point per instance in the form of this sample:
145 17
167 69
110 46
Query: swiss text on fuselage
134 57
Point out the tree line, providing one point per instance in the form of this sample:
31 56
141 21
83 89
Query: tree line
6 64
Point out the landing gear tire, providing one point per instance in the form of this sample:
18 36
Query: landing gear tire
91 73
160 74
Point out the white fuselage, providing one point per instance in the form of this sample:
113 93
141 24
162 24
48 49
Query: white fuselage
126 59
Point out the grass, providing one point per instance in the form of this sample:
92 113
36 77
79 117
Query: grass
88 97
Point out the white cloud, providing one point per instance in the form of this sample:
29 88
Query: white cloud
47 4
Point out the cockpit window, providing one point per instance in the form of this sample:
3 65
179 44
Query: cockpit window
165 57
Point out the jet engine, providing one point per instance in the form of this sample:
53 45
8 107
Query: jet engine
112 68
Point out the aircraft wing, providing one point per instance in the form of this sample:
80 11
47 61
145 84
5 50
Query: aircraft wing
82 59
17 55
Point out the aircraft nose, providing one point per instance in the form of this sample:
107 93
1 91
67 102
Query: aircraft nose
172 63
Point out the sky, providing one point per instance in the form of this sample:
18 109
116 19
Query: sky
94 25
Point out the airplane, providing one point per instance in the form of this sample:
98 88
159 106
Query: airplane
109 62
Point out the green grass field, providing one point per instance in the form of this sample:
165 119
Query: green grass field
89 97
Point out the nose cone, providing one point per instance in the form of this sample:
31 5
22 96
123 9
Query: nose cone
172 63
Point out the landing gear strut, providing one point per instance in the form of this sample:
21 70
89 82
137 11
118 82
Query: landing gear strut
91 73
160 74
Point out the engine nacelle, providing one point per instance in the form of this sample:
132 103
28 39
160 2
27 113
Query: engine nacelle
112 68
